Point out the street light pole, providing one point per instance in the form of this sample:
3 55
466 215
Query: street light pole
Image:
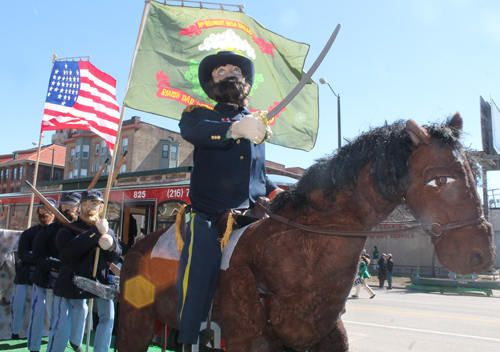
324 81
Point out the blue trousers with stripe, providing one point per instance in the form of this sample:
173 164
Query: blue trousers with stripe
41 300
197 275
17 306
68 323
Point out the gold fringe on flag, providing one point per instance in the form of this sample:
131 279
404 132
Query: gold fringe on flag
229 229
178 223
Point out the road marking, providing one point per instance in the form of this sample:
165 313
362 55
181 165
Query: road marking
425 331
426 314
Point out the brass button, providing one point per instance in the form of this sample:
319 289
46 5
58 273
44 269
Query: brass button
238 141
215 137
241 157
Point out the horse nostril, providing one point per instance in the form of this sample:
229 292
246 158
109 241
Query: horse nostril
476 258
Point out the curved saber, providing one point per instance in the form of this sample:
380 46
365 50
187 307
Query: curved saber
307 76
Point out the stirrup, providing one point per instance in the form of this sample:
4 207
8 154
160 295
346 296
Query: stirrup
217 336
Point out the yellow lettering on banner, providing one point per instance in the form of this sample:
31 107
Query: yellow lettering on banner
169 93
200 24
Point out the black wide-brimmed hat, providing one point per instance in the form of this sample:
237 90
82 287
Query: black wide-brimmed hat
92 195
223 58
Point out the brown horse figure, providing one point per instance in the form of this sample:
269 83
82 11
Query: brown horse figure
287 286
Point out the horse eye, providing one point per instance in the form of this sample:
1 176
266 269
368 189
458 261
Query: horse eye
440 181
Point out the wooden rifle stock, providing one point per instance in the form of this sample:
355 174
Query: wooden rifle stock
118 167
60 217
96 177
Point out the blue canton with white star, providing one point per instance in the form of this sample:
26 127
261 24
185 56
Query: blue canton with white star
64 85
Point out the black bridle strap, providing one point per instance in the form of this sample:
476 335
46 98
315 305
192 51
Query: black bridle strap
428 227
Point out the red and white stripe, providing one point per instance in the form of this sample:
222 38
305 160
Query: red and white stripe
95 109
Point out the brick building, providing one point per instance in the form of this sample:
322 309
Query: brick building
149 148
18 167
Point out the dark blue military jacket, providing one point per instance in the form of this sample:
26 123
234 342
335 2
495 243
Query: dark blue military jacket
25 253
46 254
227 173
77 258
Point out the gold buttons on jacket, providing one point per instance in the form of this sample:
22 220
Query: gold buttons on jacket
241 157
215 137
238 141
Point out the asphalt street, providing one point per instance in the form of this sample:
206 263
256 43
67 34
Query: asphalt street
405 320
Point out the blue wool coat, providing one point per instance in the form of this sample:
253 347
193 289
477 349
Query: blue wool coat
227 173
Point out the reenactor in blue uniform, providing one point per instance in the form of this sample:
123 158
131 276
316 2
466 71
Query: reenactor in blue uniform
26 266
78 250
229 172
46 255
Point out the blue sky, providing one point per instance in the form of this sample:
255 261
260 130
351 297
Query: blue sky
392 60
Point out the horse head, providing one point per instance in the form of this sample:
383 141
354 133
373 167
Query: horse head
442 192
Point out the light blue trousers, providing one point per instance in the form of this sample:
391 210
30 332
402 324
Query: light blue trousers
17 307
41 299
68 323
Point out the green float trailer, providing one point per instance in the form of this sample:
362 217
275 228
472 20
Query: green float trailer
460 286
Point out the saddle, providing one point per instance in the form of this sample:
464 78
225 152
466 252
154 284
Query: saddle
230 220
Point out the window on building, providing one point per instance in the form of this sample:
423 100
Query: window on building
1 176
97 148
123 169
97 167
11 190
6 174
14 156
85 151
171 139
124 145
83 172
20 172
17 189
93 167
108 169
104 148
75 173
46 174
77 153
72 157
58 175
70 174
173 153
14 174
164 151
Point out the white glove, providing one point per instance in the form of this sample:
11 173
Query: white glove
106 241
102 226
249 127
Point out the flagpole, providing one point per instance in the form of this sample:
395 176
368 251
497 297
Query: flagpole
30 211
103 216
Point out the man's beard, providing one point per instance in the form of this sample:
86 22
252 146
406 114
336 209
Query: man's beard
70 215
45 219
90 217
230 91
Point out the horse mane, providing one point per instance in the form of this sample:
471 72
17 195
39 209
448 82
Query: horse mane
388 148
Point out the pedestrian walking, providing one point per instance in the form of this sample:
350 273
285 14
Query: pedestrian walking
363 274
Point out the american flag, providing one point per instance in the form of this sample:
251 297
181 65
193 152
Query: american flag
82 97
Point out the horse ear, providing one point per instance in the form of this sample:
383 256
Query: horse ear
417 133
456 121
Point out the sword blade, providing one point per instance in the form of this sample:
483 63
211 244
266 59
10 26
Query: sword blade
306 77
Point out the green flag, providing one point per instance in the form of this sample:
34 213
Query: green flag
164 78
